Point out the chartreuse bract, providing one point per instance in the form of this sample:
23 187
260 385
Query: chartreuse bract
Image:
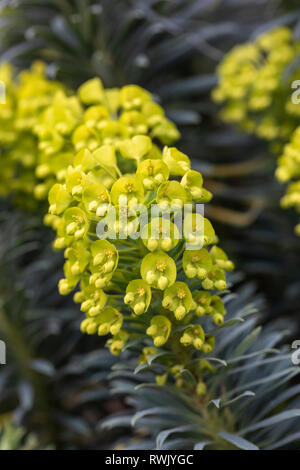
143 262
258 92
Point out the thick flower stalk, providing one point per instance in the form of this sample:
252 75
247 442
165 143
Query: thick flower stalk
143 262
257 88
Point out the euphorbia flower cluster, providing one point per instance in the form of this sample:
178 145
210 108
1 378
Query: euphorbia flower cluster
145 276
255 85
138 274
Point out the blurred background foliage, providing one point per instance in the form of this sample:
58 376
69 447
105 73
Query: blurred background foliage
55 379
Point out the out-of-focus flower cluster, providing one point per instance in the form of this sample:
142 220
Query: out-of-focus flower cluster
26 97
43 124
289 170
139 274
255 85
256 88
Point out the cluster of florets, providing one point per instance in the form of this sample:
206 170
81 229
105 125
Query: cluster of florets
137 272
43 125
255 85
26 97
142 260
289 170
256 88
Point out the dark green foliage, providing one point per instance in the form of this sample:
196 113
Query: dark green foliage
250 401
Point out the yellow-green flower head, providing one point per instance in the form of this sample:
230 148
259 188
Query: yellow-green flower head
85 137
97 154
127 191
93 300
153 173
79 256
202 301
96 116
105 260
105 157
197 263
134 122
256 82
198 231
209 344
192 182
177 162
95 198
147 352
160 234
97 186
91 92
117 343
67 284
220 259
138 296
133 97
215 280
217 310
171 196
109 321
178 299
76 223
193 336
61 116
158 270
59 199
159 329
